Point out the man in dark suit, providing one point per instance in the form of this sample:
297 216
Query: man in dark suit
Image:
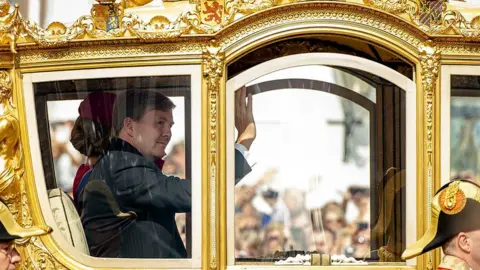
128 205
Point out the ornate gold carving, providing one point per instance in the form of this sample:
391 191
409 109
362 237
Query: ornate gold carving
10 154
108 21
4 7
450 195
14 210
386 256
249 7
449 47
108 52
455 23
395 6
36 256
213 69
10 27
134 3
314 11
452 200
207 17
12 226
442 21
212 12
56 28
159 22
107 16
430 63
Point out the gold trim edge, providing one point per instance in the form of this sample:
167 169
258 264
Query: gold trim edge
15 30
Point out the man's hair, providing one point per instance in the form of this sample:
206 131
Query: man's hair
134 103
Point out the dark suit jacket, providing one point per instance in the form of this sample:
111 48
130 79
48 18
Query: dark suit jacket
128 205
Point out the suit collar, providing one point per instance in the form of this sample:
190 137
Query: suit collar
454 263
118 144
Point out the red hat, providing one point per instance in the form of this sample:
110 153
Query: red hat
98 106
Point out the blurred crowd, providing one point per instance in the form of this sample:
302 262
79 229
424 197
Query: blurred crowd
268 222
465 175
66 158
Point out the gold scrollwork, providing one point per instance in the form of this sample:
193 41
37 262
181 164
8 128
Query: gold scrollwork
13 26
395 6
10 25
135 3
14 210
36 256
234 7
312 11
430 64
447 22
213 68
10 154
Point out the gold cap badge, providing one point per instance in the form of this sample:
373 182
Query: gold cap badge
452 200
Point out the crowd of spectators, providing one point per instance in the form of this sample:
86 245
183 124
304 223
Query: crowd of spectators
288 224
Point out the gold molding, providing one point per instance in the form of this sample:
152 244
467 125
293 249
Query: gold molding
430 66
342 16
105 52
213 70
18 33
395 7
15 30
15 215
36 256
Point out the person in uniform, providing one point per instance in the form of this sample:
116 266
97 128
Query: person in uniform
454 226
9 231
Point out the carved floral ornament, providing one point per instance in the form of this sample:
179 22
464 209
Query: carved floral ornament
111 19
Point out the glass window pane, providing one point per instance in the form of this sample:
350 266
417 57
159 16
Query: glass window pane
465 128
120 158
329 167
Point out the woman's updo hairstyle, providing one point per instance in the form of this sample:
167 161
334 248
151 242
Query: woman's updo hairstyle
91 131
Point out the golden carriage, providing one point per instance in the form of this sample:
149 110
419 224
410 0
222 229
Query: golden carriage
417 57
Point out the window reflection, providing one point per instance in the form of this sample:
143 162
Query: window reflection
325 141
465 128
73 140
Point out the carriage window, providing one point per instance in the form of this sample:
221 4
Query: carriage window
465 128
103 141
328 171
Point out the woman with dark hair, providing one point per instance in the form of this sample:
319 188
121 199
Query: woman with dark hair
91 133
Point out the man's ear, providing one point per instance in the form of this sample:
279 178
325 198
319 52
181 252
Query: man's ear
129 126
464 242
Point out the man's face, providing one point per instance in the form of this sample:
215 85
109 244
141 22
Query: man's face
152 133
